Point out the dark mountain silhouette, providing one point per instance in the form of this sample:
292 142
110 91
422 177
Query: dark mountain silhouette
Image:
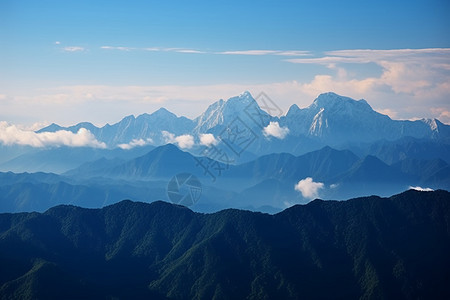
395 248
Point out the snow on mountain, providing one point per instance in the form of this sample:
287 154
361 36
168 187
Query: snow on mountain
221 113
330 120
336 120
147 127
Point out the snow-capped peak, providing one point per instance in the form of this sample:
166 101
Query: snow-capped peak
332 100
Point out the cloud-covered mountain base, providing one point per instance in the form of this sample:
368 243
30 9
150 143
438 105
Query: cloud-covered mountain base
395 248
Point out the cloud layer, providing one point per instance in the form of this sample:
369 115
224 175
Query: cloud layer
309 188
12 135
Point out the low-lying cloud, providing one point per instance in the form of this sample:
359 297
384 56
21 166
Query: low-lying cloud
274 129
12 135
208 139
185 141
135 143
421 189
309 188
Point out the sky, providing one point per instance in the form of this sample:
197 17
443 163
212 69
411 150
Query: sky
99 61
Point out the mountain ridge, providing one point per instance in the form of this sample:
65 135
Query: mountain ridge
359 248
325 120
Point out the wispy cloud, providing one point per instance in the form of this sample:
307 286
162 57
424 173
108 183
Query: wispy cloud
363 56
291 53
12 135
266 52
248 52
153 49
74 49
117 48
188 51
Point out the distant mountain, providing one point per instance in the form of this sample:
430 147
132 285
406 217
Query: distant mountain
407 147
331 120
322 165
369 154
394 248
337 120
222 113
40 191
163 162
145 126
62 159
267 181
433 173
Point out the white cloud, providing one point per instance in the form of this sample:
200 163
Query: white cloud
208 139
189 51
363 56
420 189
309 188
185 141
249 52
410 80
168 136
135 143
74 49
153 49
292 53
57 43
12 135
117 48
410 71
266 52
274 129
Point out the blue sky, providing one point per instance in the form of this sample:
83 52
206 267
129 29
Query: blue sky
97 61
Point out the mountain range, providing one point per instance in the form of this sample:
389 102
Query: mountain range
372 247
255 227
331 119
264 184
341 148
